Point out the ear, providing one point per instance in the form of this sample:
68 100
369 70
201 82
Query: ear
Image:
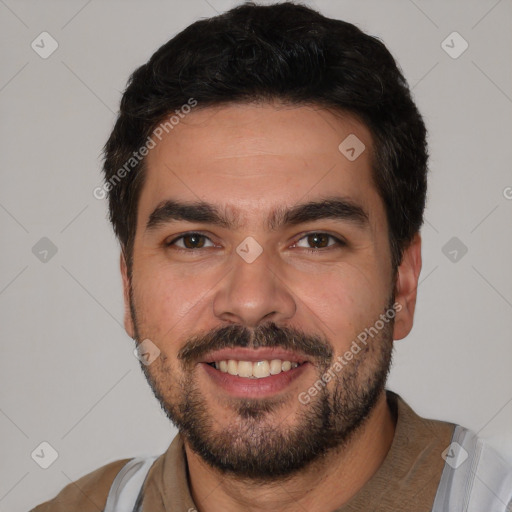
128 321
405 288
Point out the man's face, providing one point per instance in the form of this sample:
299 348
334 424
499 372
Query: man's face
262 289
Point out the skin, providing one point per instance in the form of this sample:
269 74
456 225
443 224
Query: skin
251 159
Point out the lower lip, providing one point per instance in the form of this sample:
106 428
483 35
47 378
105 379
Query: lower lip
254 388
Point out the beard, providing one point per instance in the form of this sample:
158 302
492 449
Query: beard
255 446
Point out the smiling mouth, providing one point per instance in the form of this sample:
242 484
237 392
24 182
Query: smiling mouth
254 369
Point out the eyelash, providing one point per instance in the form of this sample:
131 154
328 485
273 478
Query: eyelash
339 242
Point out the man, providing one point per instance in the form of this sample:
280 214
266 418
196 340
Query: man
267 182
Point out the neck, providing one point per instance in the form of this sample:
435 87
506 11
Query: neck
324 485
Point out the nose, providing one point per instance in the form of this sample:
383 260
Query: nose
253 293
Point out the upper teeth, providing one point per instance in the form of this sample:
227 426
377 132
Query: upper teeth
258 369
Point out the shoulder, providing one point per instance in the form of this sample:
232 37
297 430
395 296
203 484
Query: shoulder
464 472
475 477
87 494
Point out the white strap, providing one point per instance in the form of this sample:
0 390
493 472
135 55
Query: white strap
127 485
475 478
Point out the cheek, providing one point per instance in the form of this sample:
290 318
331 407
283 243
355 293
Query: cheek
345 302
166 303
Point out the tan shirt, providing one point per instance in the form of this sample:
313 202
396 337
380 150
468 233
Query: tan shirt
407 479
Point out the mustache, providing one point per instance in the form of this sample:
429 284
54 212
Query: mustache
267 335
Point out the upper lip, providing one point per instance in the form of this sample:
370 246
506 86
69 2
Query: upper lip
253 354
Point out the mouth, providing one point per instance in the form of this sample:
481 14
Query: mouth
254 370
253 373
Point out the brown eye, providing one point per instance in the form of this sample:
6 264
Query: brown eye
190 241
320 241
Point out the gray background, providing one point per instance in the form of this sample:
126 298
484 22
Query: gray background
68 374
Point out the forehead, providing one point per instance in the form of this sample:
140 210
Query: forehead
248 159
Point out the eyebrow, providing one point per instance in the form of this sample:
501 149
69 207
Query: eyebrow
337 208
